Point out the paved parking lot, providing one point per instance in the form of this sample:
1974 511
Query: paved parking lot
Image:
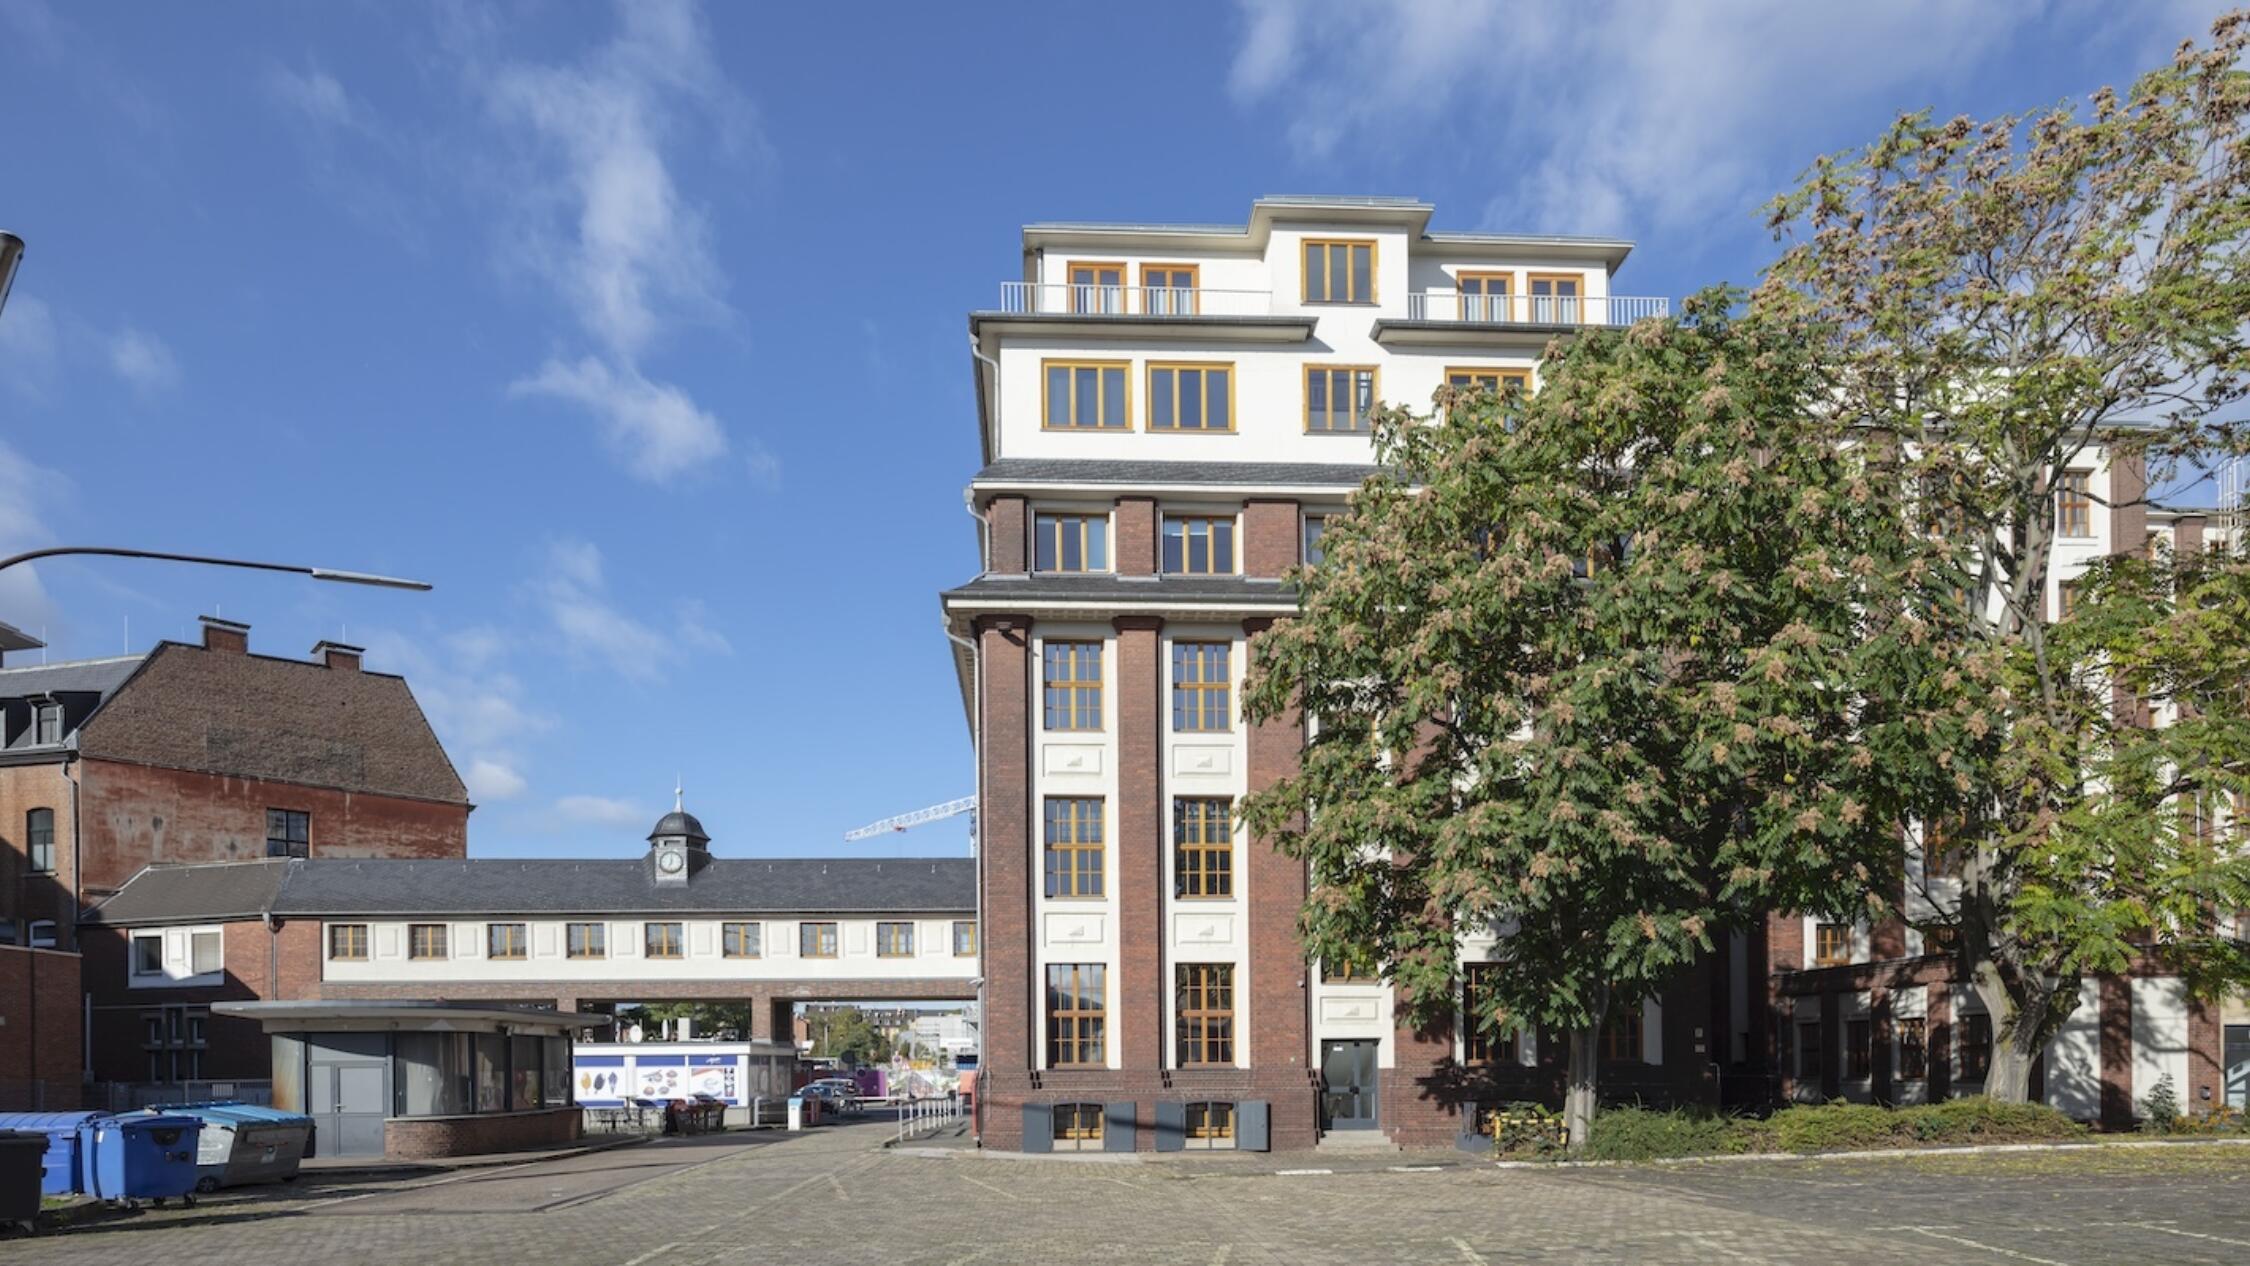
837 1197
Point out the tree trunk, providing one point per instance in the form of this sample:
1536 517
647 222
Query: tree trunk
1578 1096
2021 1027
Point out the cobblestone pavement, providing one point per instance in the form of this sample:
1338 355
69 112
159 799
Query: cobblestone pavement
836 1197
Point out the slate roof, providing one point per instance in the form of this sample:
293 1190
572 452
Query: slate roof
1109 588
82 686
325 887
261 716
1217 474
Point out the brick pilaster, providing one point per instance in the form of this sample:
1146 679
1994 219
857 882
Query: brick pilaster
1135 528
2116 1045
1139 843
1008 537
1278 1020
2128 482
1269 537
1006 846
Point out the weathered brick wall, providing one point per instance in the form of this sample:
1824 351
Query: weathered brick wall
429 1137
1279 1001
1135 528
135 815
41 1048
1269 537
1142 997
24 895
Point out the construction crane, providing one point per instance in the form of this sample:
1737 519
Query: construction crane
935 813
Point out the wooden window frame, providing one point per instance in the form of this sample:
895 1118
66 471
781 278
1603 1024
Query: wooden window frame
519 937
1078 714
1479 1045
1308 535
1079 877
971 925
439 931
1621 1034
357 938
1077 1127
1531 301
1203 367
1364 426
1203 848
1507 276
1822 955
1974 1049
1047 421
1203 1000
597 943
1913 1047
1800 1054
1328 245
1501 377
1194 289
1197 691
1350 971
1211 525
1059 521
1207 1124
740 938
1859 1048
1123 288
894 938
2074 500
1078 1031
834 938
39 841
674 943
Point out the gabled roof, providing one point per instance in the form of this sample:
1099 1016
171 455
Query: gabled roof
81 685
344 887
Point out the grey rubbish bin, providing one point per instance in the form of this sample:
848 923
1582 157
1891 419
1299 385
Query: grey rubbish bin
23 1157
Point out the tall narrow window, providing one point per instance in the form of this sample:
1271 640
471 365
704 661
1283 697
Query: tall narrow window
894 940
46 720
507 942
2074 504
1074 846
1086 395
1484 296
347 942
1621 1031
1859 1056
1198 545
1204 1004
1339 272
1339 399
1808 1053
1832 944
1203 846
1190 397
1202 701
1071 677
816 940
288 833
586 940
1556 298
1316 526
964 938
1976 1046
1168 289
1484 1044
1913 1048
1070 542
1077 1004
206 953
1097 287
39 839
425 940
741 940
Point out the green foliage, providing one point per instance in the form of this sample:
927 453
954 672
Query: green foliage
2163 1107
1636 1133
1526 1131
845 1034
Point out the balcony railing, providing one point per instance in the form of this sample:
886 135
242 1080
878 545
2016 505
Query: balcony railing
1450 305
1033 297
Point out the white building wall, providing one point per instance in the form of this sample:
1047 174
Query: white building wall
546 962
2160 1039
1074 763
2074 1058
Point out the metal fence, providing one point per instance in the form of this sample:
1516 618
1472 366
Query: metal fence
125 1096
920 1117
38 1094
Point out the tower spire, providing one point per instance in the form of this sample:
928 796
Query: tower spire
679 794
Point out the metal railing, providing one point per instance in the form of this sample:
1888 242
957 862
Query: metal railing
1451 305
127 1096
1036 297
919 1117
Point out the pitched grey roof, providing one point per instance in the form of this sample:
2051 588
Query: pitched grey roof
82 686
1108 588
1341 475
214 893
319 887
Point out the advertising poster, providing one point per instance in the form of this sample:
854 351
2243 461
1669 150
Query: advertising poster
716 1075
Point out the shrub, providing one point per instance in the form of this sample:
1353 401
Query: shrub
2163 1104
1522 1131
1636 1133
1851 1126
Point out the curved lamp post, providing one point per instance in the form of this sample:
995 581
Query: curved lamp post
11 254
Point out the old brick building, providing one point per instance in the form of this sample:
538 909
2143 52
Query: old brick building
206 752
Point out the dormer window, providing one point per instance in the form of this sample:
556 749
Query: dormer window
46 724
1339 271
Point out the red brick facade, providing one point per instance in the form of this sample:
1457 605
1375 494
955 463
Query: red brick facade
417 1138
41 1043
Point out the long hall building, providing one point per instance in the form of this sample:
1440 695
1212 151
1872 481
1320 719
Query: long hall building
1166 414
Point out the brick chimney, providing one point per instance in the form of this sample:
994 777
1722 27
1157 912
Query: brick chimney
338 655
224 635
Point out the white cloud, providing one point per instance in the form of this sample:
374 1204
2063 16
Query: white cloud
1619 116
314 93
492 779
575 597
654 427
143 361
602 811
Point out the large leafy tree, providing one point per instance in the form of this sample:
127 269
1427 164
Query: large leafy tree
1603 670
2003 304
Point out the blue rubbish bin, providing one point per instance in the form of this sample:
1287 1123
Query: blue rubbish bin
243 1143
136 1158
63 1170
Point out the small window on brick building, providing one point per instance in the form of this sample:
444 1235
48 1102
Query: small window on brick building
148 955
816 940
1859 1055
2074 504
288 833
964 939
1621 1032
894 940
39 840
507 942
347 942
1832 945
205 954
1976 1046
42 934
586 940
1808 1052
1913 1048
1210 1126
1078 1127
47 724
741 940
664 940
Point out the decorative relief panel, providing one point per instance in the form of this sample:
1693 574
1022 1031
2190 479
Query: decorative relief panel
1204 929
1074 928
1191 761
1344 1009
1071 758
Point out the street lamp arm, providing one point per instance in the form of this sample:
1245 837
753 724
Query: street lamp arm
317 573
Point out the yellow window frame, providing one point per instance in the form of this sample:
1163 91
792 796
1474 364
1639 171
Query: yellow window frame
1488 377
1832 944
1061 522
664 940
1555 300
586 947
1081 703
1081 291
2074 504
1206 997
1478 304
894 940
1350 375
1079 847
734 940
1197 696
1124 420
827 939
507 942
427 942
1202 368
1327 246
1203 846
1162 279
1076 1033
352 947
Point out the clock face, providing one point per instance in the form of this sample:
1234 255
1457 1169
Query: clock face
670 863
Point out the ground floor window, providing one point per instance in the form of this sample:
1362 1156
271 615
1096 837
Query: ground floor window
1078 1127
1210 1126
1976 1046
1913 1048
1808 1052
1859 1057
2235 1052
1621 1032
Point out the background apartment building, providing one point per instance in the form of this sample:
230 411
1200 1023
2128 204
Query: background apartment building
1166 413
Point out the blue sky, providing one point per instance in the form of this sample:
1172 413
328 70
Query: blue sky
640 331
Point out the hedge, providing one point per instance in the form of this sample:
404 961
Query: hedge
1635 1133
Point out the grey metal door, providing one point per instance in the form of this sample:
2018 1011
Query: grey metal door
356 1107
1348 1085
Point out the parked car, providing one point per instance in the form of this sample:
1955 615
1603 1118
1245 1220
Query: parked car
829 1092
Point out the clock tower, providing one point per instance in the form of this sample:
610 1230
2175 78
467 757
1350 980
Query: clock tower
678 846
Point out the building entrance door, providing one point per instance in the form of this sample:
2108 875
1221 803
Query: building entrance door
1347 1085
347 1093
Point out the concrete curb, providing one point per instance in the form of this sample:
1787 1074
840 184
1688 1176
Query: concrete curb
1884 1153
409 1168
